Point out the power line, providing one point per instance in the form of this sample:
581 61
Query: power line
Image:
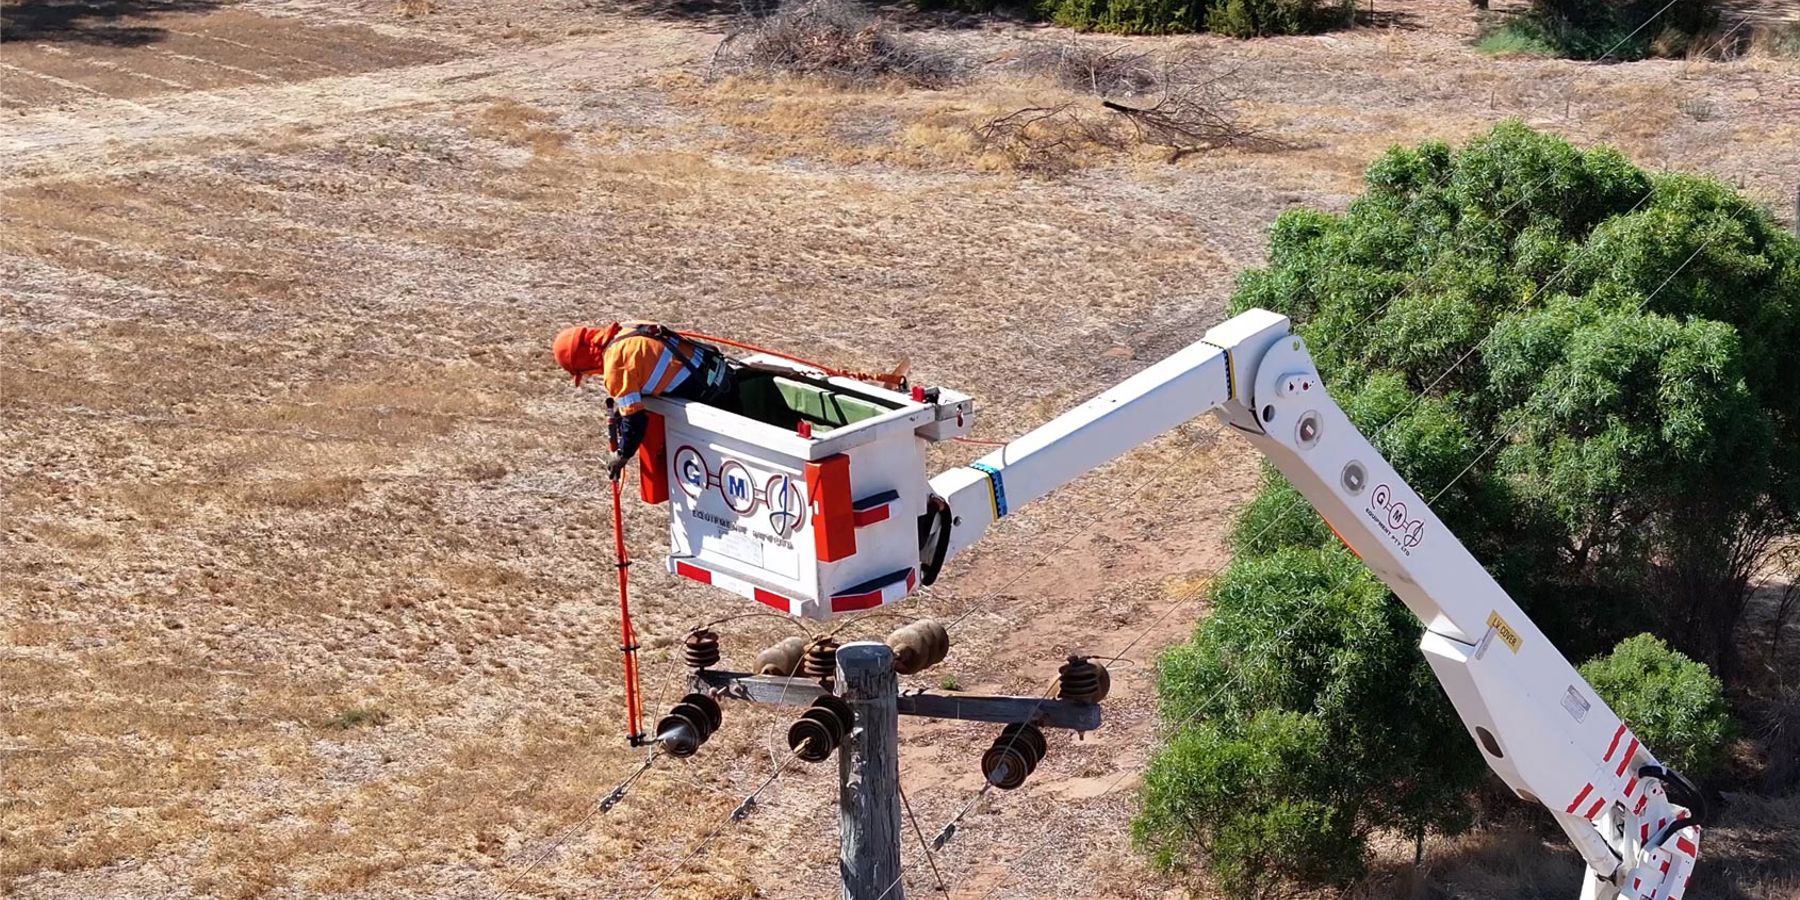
1634 32
1458 362
1198 592
601 804
1237 675
923 847
737 815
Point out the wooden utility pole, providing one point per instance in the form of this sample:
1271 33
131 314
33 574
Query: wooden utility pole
869 774
869 803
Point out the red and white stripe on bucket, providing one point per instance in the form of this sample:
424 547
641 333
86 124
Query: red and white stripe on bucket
876 592
737 586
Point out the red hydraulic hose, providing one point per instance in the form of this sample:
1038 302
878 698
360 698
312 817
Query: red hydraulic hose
891 379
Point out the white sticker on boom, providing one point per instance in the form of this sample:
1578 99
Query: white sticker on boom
1576 704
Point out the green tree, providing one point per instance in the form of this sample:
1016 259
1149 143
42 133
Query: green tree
1310 634
1604 355
1609 29
1589 367
1249 796
1672 703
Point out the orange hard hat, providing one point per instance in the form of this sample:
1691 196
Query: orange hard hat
578 351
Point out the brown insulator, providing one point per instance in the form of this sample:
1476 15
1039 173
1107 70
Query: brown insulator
919 646
700 649
815 734
783 658
698 715
714 715
679 735
688 725
1014 756
1004 767
820 660
839 707
821 728
1030 737
1080 681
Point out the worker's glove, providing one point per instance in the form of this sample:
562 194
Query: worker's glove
615 465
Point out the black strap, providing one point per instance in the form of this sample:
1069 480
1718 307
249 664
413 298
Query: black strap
669 338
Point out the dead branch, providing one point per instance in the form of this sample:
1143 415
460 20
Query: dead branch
1194 118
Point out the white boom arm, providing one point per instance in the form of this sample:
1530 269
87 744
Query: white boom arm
1537 722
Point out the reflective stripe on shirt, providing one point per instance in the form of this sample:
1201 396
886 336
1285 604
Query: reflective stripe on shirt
638 366
662 367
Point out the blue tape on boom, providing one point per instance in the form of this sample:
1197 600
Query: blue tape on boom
997 483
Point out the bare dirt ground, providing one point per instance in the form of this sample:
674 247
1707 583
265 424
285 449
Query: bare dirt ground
305 584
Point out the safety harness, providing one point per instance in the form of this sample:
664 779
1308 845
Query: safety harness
703 362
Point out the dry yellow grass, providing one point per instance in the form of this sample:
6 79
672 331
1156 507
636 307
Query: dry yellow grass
283 441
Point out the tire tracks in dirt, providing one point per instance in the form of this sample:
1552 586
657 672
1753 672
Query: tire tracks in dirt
112 135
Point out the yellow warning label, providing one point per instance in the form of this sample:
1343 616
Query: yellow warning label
1504 630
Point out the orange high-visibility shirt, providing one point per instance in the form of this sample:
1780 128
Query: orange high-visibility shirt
637 366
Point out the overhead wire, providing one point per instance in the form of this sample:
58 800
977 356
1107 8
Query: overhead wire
923 847
737 815
1416 280
1441 491
601 804
1195 594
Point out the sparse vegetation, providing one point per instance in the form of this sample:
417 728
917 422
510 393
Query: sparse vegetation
1091 67
1777 41
1515 37
1187 110
357 717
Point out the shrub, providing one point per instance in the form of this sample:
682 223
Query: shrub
1250 795
1589 371
1238 18
1516 37
1607 354
1672 703
1310 635
1606 29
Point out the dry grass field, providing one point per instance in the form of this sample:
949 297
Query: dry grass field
305 583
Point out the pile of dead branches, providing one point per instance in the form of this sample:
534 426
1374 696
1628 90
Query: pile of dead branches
833 39
1093 67
1176 104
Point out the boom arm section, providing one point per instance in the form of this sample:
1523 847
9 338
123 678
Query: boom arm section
1536 721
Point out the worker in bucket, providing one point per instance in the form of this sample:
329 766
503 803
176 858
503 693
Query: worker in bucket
642 359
